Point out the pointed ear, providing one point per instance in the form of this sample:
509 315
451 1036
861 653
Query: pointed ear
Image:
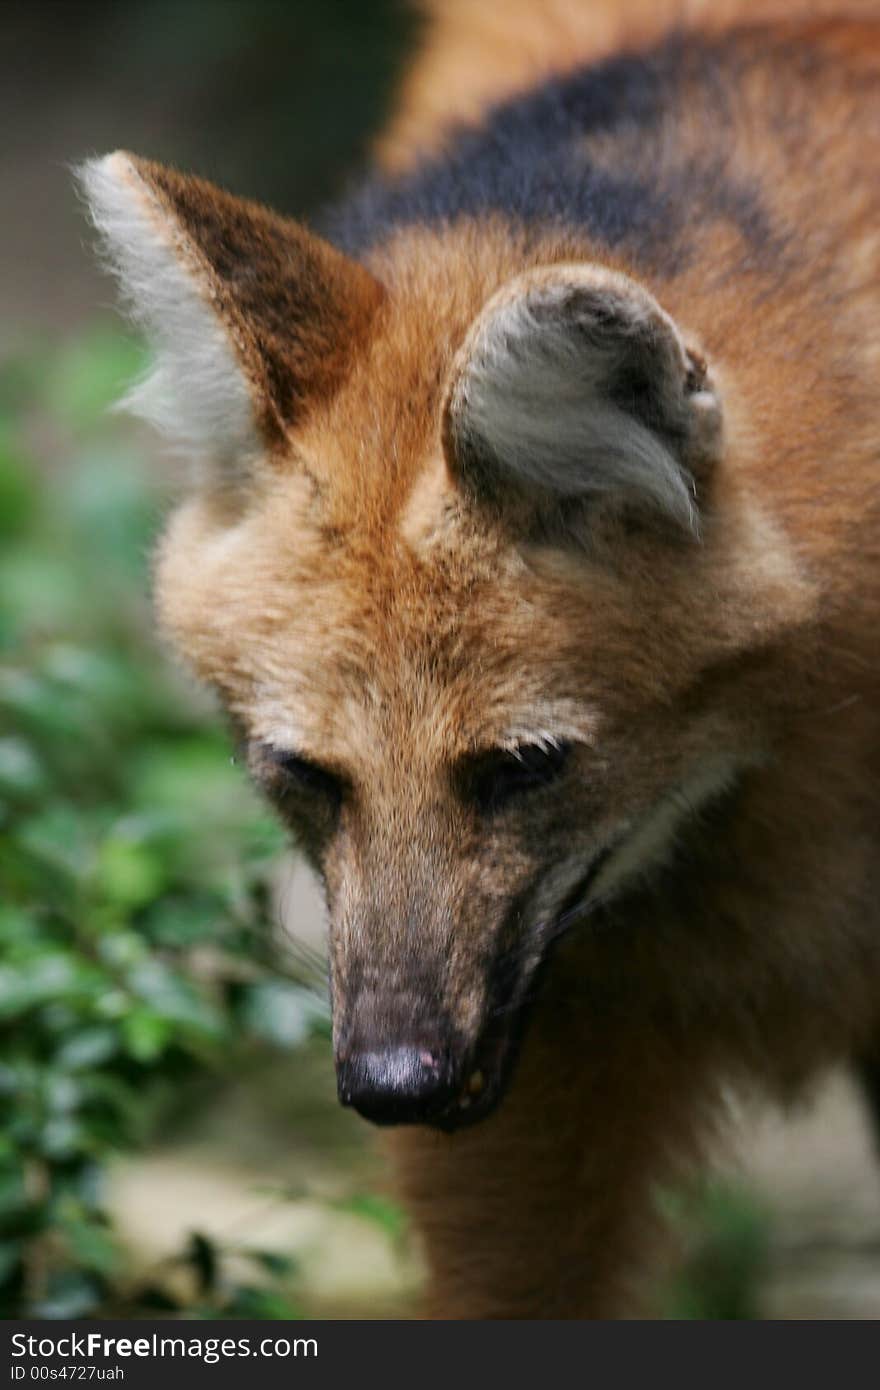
252 317
572 384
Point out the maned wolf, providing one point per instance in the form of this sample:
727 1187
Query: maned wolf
532 546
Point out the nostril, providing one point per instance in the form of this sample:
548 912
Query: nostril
396 1085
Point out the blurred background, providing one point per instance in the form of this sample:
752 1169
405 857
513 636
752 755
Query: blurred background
169 1136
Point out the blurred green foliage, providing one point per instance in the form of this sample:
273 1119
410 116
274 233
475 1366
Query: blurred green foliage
133 855
725 1233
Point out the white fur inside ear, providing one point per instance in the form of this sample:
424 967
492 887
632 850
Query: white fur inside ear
197 393
535 389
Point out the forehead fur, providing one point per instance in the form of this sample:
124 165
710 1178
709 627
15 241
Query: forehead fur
329 644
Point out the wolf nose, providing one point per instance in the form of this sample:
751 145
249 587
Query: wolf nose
399 1085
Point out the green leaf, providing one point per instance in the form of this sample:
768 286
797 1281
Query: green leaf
378 1210
88 1048
70 1294
51 976
17 499
21 773
146 1034
279 1011
61 1138
128 874
248 1302
92 1246
59 837
17 928
274 1263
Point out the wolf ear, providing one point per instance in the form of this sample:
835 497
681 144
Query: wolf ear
251 316
573 383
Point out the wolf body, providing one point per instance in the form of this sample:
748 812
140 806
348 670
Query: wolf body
531 544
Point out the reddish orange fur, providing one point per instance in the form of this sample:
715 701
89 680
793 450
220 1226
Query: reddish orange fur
358 600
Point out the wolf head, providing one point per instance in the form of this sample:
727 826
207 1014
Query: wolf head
462 555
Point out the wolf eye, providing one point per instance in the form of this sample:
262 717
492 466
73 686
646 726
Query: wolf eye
297 773
493 778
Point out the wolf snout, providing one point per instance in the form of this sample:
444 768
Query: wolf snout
398 1084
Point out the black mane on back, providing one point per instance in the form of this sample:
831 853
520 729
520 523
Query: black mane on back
531 162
